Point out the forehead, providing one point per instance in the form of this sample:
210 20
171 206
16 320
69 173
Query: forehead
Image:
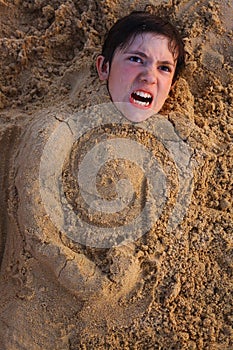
148 43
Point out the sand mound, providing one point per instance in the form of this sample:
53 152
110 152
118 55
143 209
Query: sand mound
166 281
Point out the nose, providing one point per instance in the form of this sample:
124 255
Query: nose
149 76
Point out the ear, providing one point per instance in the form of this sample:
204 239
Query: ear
102 68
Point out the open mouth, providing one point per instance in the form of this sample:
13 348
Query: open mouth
141 98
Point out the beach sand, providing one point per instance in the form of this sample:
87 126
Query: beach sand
163 285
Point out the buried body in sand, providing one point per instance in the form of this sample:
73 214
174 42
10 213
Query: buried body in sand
102 239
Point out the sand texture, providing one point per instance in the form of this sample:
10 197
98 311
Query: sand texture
76 273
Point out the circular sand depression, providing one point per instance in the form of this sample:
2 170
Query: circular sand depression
104 181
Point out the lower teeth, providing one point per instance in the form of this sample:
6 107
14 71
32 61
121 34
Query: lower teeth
142 103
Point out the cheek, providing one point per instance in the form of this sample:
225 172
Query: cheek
113 83
119 81
121 74
114 76
166 86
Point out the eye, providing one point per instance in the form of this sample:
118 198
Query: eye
135 59
165 68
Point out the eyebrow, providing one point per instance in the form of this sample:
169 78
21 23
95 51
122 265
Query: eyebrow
142 54
139 53
167 62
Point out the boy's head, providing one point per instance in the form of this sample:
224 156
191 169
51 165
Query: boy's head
141 59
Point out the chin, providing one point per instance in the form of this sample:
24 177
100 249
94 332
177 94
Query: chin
132 113
137 118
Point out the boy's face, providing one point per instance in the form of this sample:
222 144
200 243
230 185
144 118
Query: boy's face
140 76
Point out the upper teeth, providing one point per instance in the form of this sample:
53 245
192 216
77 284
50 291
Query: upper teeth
143 94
